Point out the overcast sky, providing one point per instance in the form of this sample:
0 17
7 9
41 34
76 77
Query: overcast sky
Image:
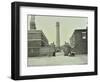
67 26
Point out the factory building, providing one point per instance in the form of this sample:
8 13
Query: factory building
79 41
37 42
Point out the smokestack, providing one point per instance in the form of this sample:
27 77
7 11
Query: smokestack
58 35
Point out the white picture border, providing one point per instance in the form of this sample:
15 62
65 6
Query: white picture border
24 70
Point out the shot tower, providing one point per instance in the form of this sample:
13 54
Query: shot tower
58 36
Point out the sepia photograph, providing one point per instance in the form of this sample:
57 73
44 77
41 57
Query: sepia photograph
57 40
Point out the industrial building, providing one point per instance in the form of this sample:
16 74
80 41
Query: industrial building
79 41
37 42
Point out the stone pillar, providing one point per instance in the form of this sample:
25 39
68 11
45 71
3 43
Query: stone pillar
58 36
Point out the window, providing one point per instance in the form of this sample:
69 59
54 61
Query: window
83 35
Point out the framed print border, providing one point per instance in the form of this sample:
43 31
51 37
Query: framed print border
15 40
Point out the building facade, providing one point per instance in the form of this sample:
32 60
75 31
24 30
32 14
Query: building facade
36 40
79 41
38 43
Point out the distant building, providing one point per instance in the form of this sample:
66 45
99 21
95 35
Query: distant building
79 41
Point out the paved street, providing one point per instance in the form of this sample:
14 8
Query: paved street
60 53
59 59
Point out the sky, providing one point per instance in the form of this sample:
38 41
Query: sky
67 26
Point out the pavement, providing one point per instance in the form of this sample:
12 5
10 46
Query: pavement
60 53
59 59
